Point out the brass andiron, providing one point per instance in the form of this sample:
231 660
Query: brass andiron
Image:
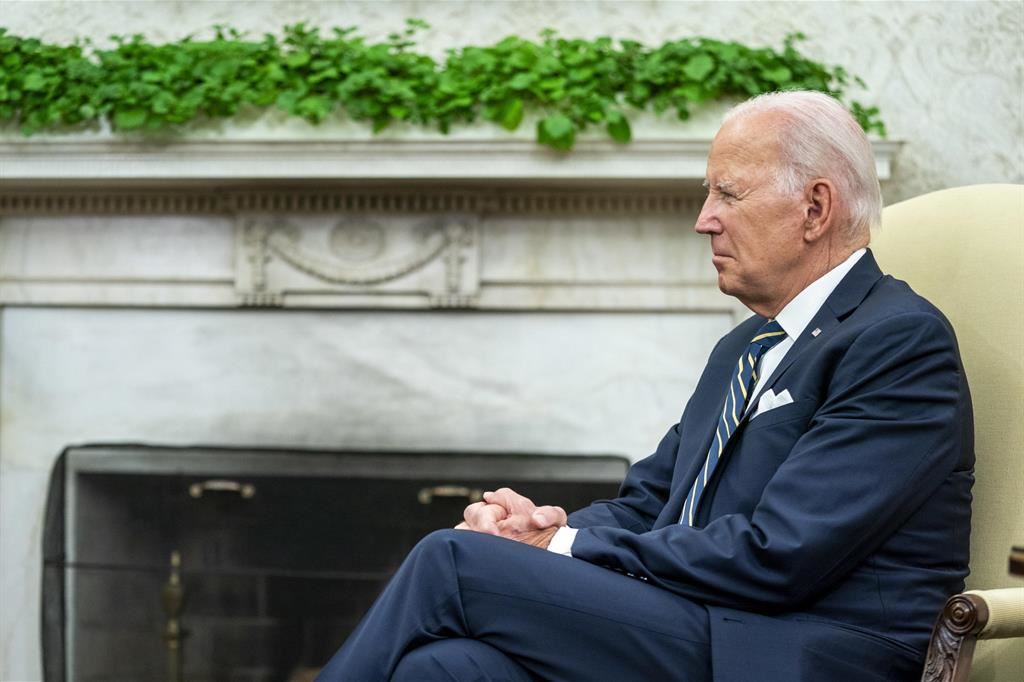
173 594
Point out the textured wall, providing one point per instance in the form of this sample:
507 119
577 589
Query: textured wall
948 76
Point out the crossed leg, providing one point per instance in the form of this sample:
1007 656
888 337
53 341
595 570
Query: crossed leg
459 660
464 601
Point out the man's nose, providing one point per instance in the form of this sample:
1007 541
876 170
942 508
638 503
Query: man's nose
706 222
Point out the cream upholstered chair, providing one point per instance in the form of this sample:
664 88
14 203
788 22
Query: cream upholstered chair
963 249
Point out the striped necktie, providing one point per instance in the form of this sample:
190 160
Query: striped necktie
736 399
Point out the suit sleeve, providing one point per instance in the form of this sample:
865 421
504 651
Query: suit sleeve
885 435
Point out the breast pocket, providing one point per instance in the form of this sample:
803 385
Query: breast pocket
755 453
800 409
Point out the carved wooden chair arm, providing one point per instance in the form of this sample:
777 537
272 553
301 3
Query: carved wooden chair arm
967 617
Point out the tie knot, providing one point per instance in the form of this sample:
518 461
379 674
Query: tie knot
768 335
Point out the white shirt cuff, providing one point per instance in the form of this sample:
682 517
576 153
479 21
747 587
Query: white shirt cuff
561 541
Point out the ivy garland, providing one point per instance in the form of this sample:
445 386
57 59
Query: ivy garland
571 83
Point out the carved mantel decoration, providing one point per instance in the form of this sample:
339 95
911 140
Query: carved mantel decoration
387 256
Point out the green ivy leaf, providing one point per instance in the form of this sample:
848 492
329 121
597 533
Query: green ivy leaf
552 84
297 59
618 127
323 75
698 66
556 131
691 92
778 75
522 81
581 75
511 114
314 108
163 103
288 101
34 81
128 119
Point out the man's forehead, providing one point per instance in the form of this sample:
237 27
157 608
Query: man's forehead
739 151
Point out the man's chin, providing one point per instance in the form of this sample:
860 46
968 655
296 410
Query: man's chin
725 284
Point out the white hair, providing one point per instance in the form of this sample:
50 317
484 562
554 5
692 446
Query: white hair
818 137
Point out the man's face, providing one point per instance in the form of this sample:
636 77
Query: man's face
756 230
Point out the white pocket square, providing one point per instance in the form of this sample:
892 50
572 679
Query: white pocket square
770 400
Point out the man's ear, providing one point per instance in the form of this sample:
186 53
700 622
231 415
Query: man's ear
820 209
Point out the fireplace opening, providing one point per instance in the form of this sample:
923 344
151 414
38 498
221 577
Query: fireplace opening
250 565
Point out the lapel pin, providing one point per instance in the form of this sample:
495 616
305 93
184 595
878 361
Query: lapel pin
817 330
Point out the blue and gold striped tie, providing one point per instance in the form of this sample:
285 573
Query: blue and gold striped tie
736 399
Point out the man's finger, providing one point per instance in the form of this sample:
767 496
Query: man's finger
512 501
484 517
548 516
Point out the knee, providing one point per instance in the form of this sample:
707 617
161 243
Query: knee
438 540
457 659
422 663
444 536
435 552
443 541
446 553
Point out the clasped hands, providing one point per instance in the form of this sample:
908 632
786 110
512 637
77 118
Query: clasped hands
508 514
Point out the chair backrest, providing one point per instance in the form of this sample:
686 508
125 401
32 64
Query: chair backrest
963 249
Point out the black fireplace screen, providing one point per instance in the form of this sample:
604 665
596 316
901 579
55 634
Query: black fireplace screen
277 554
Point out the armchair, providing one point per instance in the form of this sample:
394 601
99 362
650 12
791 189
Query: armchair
963 249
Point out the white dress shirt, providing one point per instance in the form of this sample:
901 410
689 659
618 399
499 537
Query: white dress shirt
793 319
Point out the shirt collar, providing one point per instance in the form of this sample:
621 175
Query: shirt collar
797 314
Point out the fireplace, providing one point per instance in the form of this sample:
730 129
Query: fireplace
276 554
402 319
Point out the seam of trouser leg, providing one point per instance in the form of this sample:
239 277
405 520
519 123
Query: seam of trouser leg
458 590
432 609
587 613
443 668
454 594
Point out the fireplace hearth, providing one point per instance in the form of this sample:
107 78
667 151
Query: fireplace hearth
281 552
412 316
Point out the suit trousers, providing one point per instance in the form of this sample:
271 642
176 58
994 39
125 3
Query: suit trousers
468 606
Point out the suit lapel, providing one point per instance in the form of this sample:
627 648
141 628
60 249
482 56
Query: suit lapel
694 449
843 300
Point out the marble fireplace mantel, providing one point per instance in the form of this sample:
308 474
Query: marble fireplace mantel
274 212
645 160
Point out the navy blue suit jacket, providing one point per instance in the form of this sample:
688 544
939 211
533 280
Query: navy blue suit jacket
834 527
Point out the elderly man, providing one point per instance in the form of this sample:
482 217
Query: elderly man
804 520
